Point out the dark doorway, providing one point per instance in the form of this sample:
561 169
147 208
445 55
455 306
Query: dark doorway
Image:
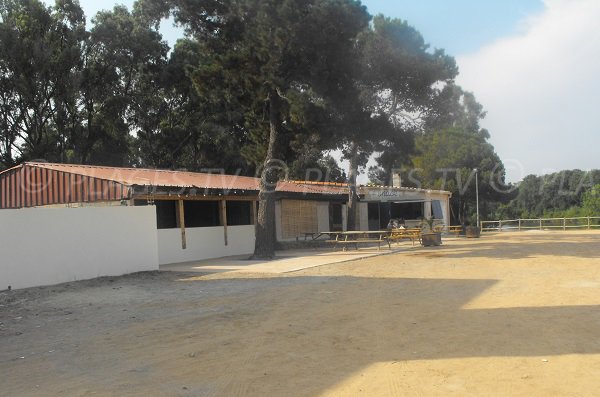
335 217
373 215
385 214
407 210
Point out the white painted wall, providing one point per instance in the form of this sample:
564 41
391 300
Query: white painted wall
44 246
204 243
427 208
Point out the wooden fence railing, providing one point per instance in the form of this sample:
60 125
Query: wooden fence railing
586 222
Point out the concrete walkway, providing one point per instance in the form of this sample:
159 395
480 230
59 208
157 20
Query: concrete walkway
286 261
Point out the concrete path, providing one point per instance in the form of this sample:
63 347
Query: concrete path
286 261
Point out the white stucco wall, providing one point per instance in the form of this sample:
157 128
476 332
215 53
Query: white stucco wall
204 243
44 246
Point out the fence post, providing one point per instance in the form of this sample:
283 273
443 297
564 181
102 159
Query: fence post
500 226
564 224
588 223
541 224
519 224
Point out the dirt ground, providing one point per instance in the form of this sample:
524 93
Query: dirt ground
504 315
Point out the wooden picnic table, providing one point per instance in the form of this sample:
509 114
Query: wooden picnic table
357 237
401 234
457 229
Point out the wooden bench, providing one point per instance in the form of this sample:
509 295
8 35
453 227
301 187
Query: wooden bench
402 234
439 228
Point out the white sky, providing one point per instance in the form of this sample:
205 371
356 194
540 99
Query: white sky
540 89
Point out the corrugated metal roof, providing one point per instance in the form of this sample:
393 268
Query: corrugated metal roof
185 179
38 183
151 177
310 188
30 186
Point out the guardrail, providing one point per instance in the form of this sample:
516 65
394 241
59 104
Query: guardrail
586 222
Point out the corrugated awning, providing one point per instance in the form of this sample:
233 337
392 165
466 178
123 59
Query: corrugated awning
150 177
37 183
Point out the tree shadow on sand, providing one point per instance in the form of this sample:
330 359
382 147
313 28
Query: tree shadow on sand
277 336
521 246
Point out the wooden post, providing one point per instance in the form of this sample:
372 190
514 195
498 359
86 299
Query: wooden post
181 218
519 224
564 224
500 226
541 224
223 215
588 223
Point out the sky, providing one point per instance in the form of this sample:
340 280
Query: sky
532 64
540 89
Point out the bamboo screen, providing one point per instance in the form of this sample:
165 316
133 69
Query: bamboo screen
298 217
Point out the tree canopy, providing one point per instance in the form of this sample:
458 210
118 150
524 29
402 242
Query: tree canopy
564 193
394 80
256 87
449 146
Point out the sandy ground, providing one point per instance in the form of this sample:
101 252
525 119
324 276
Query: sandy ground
505 315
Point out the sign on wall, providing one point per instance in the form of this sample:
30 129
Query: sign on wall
378 194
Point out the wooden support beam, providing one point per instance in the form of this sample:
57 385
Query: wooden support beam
193 198
181 219
223 216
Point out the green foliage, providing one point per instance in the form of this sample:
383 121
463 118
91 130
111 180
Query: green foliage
450 116
429 222
296 51
39 56
554 194
179 128
312 166
68 94
125 57
447 161
394 78
449 145
591 201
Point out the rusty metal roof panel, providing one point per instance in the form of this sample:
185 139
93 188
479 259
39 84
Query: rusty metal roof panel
30 186
186 179
311 188
37 183
153 177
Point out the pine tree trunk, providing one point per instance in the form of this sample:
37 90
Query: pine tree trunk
264 247
352 191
